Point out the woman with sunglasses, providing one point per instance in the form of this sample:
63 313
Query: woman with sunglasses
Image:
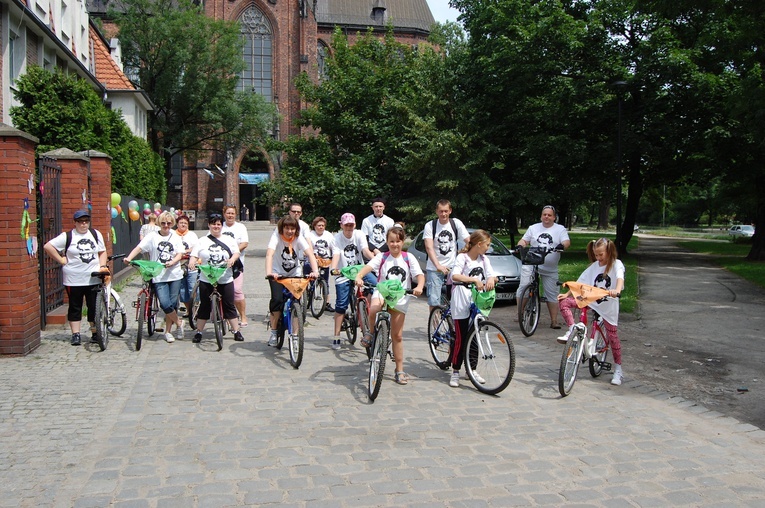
550 235
167 248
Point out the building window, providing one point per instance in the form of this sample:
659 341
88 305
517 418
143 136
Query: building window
16 54
257 54
322 52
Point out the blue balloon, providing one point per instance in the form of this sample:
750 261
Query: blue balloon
114 213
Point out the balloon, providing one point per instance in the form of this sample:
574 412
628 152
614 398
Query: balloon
157 206
146 206
116 199
157 212
119 209
172 209
146 212
114 213
134 215
133 205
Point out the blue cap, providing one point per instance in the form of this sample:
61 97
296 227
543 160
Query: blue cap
79 214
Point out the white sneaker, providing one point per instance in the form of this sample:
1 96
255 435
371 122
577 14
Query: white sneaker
479 378
564 338
272 340
454 381
169 337
180 332
618 376
336 343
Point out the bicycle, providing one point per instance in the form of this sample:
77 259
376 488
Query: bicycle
110 314
529 301
292 317
351 316
213 273
489 352
317 293
147 304
379 351
441 333
580 348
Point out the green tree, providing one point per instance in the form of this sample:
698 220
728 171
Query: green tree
63 111
189 66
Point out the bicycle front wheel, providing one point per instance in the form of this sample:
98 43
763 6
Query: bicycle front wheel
217 319
102 321
117 316
440 336
490 361
140 317
319 298
296 336
379 355
151 314
351 323
601 354
193 308
363 316
569 362
528 310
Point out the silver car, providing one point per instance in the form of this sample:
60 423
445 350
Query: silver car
506 266
745 231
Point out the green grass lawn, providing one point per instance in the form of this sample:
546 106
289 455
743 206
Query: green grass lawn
574 261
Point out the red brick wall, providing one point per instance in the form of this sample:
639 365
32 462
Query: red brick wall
19 282
101 192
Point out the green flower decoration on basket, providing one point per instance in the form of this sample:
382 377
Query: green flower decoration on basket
148 269
213 273
392 291
484 300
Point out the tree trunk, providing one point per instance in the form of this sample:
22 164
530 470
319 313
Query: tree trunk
603 212
634 193
757 252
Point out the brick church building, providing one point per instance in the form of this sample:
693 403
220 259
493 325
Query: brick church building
283 39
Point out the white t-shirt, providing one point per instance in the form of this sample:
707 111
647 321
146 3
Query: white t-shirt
350 251
147 229
462 296
81 257
375 229
210 253
323 246
238 232
444 241
163 249
304 228
396 268
189 239
539 236
286 260
594 276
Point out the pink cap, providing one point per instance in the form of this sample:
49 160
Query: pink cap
347 218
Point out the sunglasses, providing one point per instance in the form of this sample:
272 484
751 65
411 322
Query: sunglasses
166 223
82 221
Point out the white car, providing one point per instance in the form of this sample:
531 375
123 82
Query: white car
745 231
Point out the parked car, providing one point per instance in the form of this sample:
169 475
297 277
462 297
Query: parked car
741 230
506 266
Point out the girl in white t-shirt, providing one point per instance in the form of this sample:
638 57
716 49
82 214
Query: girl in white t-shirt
394 264
471 266
606 272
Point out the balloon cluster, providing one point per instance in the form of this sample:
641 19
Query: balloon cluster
147 210
116 208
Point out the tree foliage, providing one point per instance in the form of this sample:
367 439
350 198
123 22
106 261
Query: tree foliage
189 66
63 111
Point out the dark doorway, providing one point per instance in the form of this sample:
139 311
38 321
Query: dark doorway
252 170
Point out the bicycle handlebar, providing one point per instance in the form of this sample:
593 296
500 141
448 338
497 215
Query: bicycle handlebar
271 277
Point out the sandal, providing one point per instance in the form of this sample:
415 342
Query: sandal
401 378
366 340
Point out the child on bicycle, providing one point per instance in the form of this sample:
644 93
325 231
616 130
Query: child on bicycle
606 272
471 266
323 243
394 264
287 247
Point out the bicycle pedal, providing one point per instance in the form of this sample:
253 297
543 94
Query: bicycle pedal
605 365
135 305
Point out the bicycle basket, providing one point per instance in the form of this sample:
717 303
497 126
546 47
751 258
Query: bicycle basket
213 273
323 263
585 294
533 255
392 291
484 300
350 272
148 269
295 285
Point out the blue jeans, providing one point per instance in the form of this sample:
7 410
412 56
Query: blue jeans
343 292
434 281
187 285
167 294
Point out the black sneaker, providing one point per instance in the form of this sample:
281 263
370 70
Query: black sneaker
330 308
76 341
238 336
197 338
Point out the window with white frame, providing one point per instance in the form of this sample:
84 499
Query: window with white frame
257 75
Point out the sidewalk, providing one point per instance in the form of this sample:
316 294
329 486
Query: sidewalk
184 425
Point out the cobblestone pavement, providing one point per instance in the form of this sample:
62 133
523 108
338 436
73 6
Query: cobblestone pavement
184 425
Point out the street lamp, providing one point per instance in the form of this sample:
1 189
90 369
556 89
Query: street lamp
620 86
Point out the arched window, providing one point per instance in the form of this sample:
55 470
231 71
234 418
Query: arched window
322 52
257 75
